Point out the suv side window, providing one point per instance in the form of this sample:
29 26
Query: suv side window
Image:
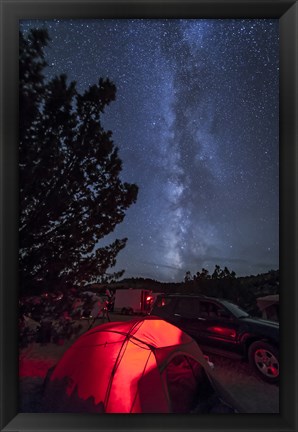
187 307
208 309
164 303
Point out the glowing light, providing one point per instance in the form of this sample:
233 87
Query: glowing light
224 331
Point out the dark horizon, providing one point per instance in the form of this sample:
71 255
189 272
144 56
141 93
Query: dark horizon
125 279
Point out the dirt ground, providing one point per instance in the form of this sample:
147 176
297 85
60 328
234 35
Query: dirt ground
250 391
255 395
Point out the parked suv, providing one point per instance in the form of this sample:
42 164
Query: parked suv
221 327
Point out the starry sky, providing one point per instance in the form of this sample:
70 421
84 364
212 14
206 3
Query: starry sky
196 122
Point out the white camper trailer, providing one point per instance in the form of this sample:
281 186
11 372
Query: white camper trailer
133 301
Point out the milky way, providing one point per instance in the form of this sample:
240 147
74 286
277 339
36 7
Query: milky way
196 123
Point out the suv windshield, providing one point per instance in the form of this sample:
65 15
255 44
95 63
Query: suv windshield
236 310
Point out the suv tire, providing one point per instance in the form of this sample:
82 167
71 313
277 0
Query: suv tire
264 359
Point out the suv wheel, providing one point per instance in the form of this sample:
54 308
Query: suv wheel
264 359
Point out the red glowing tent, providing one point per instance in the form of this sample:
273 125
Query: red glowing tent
144 365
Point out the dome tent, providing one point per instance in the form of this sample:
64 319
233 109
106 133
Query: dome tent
144 365
269 306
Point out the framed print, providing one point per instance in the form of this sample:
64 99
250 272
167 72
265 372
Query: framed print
148 274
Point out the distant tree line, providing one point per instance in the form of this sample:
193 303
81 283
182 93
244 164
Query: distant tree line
223 283
220 283
218 273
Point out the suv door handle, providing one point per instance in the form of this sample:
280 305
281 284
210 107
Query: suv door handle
201 319
177 315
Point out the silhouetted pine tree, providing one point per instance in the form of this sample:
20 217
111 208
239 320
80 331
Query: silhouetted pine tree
71 195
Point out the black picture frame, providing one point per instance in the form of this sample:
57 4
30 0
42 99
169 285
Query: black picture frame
11 13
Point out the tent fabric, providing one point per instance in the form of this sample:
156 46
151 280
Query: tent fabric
182 377
269 306
121 367
267 301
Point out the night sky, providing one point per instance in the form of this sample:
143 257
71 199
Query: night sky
196 123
